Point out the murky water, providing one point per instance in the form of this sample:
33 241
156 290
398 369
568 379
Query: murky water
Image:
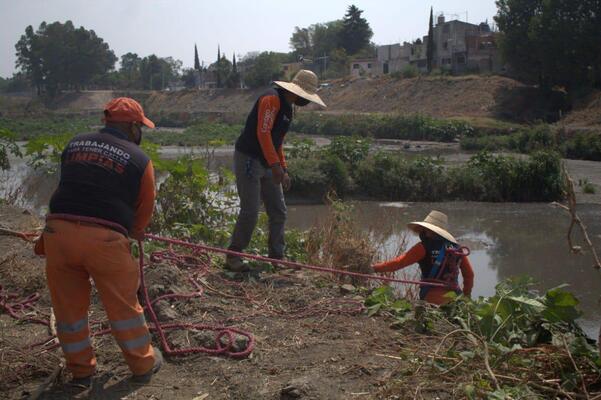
506 240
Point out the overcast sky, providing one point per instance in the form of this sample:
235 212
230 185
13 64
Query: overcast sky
170 28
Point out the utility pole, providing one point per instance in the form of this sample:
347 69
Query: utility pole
324 67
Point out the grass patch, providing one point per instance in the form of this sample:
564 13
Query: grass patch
30 128
200 134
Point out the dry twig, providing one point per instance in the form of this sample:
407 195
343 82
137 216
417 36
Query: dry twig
35 395
575 219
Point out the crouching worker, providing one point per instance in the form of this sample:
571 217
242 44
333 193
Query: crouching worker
105 194
440 259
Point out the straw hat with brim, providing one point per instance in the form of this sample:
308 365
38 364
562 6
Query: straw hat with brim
436 222
304 84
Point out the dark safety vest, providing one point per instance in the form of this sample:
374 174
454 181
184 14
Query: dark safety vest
101 173
248 143
440 264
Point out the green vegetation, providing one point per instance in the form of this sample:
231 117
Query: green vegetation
387 176
587 187
381 126
8 146
522 338
58 56
200 133
30 128
579 146
194 204
332 45
539 38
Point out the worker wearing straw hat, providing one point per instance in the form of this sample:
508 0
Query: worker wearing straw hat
440 259
260 164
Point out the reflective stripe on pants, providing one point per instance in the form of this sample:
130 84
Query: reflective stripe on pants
74 254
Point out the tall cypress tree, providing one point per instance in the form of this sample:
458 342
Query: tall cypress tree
234 68
217 69
430 49
196 60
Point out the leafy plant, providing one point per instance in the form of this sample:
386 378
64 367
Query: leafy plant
8 146
45 150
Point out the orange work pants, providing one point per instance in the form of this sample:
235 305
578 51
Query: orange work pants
74 253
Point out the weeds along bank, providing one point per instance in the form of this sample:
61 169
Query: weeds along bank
488 135
348 167
215 130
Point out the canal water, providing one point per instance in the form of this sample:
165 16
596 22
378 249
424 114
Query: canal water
506 240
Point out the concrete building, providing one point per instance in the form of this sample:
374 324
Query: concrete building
365 67
290 69
459 47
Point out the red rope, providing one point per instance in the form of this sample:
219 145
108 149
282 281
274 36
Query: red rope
199 263
290 263
221 332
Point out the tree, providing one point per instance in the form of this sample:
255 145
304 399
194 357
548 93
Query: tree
263 69
356 32
430 47
189 77
219 73
130 71
302 41
552 42
196 60
233 80
58 56
156 73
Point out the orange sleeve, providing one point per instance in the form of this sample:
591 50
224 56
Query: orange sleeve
282 157
414 254
468 276
145 202
268 109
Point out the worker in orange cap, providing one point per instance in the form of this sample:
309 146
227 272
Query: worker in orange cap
105 195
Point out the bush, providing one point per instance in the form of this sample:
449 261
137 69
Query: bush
409 71
382 126
386 176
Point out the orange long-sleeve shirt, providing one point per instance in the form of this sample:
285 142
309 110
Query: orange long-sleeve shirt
145 202
417 253
269 106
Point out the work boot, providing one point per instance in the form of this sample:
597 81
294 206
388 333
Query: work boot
235 264
85 381
158 363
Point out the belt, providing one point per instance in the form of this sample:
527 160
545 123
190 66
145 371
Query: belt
89 221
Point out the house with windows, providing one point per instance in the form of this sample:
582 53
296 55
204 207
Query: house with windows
365 67
459 47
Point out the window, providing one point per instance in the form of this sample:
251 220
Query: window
355 66
385 68
285 68
445 45
369 66
446 28
460 59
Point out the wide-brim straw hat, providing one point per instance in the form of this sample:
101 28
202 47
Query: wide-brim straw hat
304 84
436 222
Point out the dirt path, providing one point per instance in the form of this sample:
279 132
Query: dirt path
307 344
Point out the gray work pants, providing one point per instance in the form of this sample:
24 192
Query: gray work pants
255 183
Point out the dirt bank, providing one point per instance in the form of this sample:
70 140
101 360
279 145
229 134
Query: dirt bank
307 344
466 96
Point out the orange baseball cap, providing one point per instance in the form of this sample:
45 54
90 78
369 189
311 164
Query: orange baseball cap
124 109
